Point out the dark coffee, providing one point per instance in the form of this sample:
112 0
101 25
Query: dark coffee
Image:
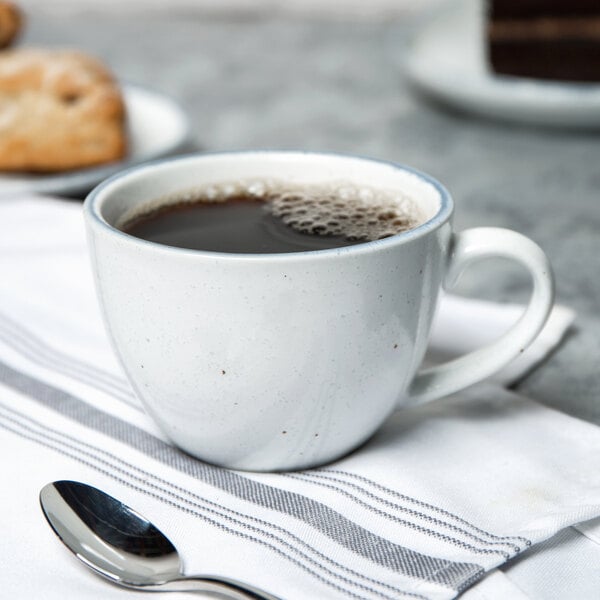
271 217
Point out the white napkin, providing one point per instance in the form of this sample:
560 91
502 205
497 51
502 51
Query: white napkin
565 567
440 496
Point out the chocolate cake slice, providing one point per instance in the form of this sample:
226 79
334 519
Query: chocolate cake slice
545 39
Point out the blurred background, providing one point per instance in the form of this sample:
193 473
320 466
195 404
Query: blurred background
322 8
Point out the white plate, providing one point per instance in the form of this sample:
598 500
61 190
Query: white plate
447 60
157 126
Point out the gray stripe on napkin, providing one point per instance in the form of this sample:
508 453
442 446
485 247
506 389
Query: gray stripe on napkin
412 525
513 540
33 348
505 547
456 575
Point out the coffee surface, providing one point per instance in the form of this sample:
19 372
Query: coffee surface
256 217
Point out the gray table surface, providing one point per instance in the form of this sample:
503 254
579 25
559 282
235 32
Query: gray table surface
308 84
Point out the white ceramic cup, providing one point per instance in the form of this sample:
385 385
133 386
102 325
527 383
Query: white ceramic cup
286 361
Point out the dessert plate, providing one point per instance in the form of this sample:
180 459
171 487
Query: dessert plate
157 126
446 59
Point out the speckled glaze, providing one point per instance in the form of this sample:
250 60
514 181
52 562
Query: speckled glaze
286 361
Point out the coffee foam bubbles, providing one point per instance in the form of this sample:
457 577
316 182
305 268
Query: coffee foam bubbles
351 211
356 213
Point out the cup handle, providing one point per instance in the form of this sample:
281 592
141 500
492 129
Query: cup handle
467 247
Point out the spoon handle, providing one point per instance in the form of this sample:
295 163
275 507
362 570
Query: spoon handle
228 588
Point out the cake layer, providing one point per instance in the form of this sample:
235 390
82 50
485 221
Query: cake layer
511 9
545 39
545 29
565 60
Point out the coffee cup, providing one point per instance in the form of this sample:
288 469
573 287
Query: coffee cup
285 361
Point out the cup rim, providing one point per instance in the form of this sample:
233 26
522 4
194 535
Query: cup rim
92 203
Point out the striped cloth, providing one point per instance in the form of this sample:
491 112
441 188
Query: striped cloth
440 496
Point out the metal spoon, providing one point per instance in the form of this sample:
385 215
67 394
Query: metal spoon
119 544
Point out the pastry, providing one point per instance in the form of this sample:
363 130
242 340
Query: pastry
59 110
10 23
545 39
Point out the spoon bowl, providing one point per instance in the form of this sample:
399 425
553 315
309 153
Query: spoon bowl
121 545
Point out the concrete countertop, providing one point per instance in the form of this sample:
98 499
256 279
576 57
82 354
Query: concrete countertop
301 83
